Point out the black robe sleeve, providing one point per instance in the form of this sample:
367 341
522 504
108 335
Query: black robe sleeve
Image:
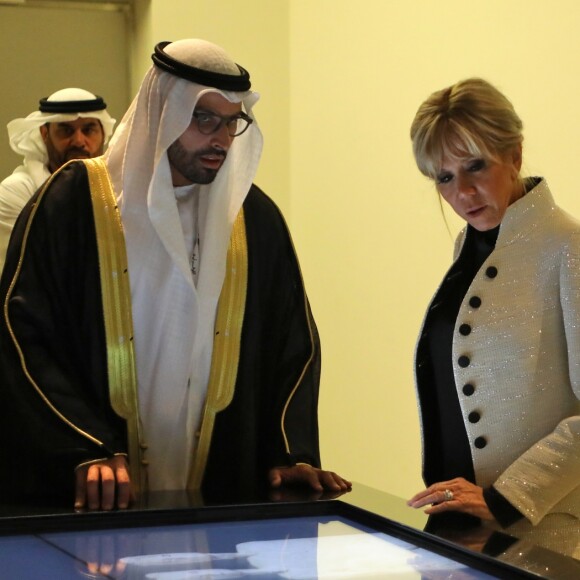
54 406
272 420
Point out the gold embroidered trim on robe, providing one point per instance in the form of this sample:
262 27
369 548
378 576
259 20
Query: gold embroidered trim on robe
299 381
6 314
117 313
312 350
226 346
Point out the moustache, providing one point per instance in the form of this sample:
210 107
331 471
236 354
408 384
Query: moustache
76 152
212 152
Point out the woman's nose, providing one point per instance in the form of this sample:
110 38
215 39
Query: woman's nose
465 185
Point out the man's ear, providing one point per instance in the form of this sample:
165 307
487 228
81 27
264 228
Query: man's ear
44 131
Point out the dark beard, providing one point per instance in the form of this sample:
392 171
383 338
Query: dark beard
56 159
189 165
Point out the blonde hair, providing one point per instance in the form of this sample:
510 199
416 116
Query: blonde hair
468 119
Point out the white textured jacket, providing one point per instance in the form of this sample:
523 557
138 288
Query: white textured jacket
517 366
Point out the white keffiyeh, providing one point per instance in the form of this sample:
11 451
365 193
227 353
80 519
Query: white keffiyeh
173 319
26 140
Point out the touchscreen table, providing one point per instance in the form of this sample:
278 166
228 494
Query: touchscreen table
204 544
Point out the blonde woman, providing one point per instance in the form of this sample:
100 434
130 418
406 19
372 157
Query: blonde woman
498 357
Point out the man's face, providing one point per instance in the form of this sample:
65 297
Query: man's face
195 157
79 139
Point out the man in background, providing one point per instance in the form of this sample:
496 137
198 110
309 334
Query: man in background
70 124
156 334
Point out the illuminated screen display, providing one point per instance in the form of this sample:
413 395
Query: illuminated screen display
297 548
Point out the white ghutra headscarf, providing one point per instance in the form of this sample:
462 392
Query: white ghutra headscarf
62 106
173 318
26 140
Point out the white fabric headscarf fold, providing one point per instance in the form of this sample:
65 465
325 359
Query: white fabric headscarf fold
173 319
26 140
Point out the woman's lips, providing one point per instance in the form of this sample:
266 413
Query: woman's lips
476 211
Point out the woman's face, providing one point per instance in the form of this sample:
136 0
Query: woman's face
480 190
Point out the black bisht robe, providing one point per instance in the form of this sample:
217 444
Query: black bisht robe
54 399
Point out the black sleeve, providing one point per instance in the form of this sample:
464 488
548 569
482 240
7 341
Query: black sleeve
54 406
291 346
502 510
272 420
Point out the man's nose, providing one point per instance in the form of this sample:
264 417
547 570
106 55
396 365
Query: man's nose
78 138
221 138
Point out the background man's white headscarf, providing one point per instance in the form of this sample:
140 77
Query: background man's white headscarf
24 134
173 319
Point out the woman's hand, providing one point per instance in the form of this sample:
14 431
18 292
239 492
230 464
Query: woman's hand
457 495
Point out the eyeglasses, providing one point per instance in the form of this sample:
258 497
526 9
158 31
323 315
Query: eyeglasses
208 123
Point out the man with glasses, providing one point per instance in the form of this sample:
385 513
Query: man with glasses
156 333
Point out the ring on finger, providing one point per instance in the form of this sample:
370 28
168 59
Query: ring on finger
447 495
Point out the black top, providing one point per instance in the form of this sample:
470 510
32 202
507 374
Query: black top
450 454
455 455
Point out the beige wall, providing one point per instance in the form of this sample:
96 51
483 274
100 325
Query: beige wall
372 242
341 81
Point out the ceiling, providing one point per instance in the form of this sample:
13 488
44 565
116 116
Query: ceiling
63 2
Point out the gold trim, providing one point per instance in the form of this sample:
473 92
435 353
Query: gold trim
310 332
226 346
11 331
117 314
97 461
